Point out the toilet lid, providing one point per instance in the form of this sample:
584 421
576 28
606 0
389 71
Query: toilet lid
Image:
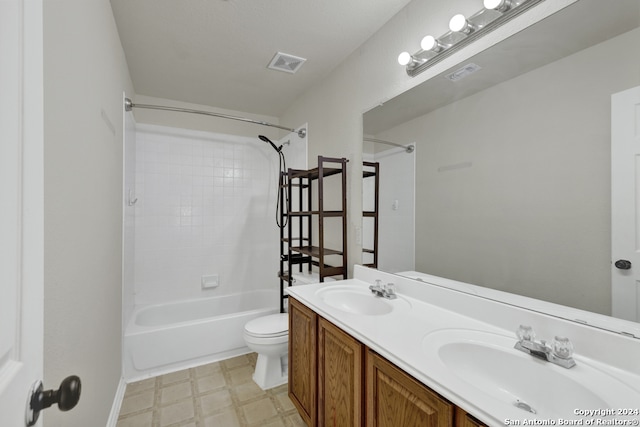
272 325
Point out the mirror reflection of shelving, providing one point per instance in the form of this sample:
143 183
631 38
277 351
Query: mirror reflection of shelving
370 217
394 227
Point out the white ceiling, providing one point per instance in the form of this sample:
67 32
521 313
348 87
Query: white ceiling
216 52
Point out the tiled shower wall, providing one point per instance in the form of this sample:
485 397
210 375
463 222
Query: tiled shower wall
206 206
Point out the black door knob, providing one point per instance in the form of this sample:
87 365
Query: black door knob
623 264
67 397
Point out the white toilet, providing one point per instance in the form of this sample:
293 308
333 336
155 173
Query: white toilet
269 337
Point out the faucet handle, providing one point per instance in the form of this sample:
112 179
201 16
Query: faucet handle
391 288
562 347
525 333
377 288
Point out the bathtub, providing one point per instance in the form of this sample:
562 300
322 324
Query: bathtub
173 336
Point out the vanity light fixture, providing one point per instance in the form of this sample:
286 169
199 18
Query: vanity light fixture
499 5
431 43
463 31
405 58
459 24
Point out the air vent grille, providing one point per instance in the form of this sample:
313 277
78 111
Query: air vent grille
463 72
285 62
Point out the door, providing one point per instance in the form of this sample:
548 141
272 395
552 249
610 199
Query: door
625 204
21 205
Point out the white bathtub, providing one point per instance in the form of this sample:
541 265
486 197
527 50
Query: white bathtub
168 337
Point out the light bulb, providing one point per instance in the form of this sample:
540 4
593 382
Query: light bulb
404 58
429 43
499 5
460 24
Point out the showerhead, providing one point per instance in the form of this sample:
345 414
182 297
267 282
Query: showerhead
281 219
265 139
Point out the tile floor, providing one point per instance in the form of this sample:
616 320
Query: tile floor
220 394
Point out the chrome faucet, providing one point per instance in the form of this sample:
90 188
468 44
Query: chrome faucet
560 353
387 291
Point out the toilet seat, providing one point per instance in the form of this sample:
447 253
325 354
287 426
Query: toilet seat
272 326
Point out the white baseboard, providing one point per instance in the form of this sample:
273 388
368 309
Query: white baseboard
117 403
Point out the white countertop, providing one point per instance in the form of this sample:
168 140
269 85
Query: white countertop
423 309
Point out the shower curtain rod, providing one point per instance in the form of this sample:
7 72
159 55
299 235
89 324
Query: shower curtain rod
129 105
407 148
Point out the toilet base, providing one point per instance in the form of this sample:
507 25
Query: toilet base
271 371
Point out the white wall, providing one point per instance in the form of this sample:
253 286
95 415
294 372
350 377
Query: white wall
371 75
531 214
85 74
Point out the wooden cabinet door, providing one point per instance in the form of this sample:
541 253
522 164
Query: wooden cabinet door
465 420
302 360
395 399
340 377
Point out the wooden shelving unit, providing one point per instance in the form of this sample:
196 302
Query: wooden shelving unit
371 170
305 209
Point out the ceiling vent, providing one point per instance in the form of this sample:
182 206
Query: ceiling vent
463 72
285 62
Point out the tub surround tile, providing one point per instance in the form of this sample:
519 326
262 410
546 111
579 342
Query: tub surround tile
182 193
217 394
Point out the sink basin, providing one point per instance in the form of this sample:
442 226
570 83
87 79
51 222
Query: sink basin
517 382
358 300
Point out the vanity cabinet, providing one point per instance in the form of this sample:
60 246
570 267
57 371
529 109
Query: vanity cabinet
335 380
325 370
396 399
465 420
302 360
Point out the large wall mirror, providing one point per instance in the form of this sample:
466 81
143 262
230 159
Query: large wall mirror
512 166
